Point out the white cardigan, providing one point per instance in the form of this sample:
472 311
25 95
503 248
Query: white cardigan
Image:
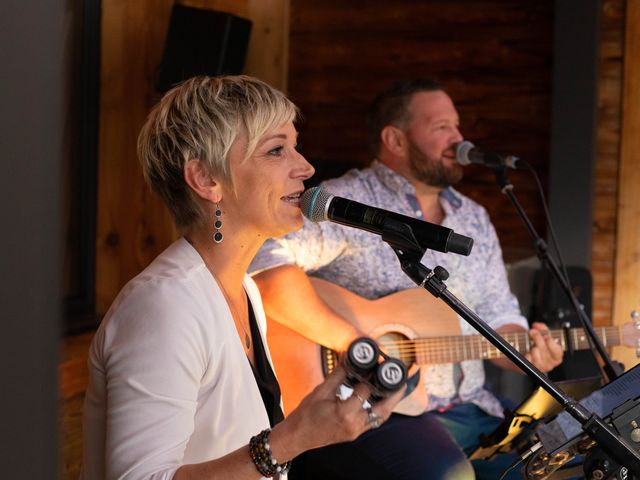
170 383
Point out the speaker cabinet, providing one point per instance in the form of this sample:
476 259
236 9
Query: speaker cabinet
202 42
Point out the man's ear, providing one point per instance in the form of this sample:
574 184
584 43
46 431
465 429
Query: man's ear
393 139
201 181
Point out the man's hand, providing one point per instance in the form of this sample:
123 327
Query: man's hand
546 353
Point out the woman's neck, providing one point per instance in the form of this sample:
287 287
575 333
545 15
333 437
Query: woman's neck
228 260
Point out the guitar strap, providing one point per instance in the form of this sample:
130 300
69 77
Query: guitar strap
412 383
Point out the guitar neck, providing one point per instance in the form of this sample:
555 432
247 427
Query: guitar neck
454 349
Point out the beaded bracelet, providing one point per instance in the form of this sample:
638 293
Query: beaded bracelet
260 453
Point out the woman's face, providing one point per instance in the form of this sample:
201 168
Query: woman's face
268 184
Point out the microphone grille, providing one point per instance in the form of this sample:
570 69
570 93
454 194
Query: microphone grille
462 152
313 204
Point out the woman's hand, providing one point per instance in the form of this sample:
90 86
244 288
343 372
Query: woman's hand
323 419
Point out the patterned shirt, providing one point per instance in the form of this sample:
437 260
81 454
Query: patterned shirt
363 263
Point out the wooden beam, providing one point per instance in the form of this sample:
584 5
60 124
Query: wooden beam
627 276
268 55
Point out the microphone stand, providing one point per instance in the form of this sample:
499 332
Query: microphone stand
401 238
611 369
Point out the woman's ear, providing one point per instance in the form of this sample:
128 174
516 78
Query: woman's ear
393 139
201 181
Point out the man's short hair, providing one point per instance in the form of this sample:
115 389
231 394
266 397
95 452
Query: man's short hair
390 107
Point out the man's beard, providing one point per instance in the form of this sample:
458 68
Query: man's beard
431 171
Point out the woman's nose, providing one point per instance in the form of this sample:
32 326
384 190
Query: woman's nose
303 168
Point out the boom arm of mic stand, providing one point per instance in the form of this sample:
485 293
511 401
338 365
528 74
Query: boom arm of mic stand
618 448
611 369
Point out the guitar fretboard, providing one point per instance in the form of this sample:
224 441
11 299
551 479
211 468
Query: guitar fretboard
455 349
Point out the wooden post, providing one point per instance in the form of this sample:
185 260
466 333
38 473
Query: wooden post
268 55
627 276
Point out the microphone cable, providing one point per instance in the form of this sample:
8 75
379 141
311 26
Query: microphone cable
547 215
521 459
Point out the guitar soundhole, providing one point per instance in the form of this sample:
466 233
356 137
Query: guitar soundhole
398 346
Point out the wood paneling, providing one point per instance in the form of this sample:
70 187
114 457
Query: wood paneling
627 278
493 57
73 374
607 159
132 226
268 55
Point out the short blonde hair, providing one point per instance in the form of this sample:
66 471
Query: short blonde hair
201 119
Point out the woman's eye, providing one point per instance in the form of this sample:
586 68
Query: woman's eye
276 151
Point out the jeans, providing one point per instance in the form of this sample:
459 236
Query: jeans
403 448
465 422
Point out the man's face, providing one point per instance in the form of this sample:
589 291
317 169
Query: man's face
432 134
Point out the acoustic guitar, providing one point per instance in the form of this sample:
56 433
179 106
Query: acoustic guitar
413 326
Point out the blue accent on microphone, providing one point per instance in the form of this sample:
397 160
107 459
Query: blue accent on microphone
313 201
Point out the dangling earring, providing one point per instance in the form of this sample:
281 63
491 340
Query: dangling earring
217 236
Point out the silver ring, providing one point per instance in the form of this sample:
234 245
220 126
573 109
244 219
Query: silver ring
366 405
344 392
373 419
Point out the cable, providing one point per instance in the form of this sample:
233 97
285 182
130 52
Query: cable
552 232
524 456
510 467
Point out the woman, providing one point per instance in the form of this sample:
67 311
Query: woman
181 384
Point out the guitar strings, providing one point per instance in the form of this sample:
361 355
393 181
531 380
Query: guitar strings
521 337
476 345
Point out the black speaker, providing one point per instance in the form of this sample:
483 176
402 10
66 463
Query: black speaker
202 42
552 307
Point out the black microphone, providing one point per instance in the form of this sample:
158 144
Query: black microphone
467 153
318 205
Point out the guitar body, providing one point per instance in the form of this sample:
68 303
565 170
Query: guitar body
411 325
298 361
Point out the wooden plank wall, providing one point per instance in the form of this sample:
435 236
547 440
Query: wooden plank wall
627 285
607 158
132 226
494 58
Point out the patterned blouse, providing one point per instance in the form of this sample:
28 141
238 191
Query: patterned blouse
363 263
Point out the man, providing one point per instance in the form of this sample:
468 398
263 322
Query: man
413 132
